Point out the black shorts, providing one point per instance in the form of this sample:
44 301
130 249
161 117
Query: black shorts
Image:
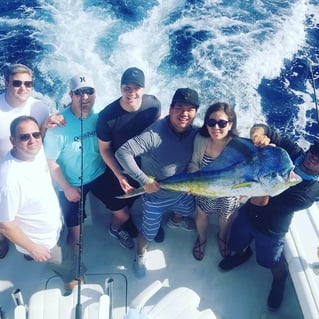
114 189
105 188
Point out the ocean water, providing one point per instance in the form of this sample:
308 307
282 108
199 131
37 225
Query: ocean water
253 54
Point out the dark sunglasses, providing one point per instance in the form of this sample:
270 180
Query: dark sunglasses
88 91
26 137
18 83
220 123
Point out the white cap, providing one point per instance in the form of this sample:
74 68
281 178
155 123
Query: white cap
81 80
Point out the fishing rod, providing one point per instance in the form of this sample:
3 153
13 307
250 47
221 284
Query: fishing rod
317 112
78 308
314 88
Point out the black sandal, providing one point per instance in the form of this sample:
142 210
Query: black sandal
199 249
223 247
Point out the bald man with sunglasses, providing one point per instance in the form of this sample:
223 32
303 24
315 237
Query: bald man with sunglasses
34 222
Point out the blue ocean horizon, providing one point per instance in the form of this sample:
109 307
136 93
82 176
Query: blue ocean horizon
255 55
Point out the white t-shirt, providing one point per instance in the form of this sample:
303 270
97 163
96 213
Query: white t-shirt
27 197
33 107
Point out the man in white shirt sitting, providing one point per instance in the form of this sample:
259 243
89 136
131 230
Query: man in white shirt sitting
34 222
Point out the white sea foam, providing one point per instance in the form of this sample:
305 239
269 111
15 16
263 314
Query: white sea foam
229 64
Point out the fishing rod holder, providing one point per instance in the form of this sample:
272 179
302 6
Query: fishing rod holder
21 309
2 313
17 297
109 291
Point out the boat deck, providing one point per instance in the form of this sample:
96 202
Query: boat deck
240 293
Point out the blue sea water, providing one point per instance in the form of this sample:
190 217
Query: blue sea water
254 54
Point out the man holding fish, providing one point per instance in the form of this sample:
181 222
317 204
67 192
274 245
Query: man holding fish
165 149
266 219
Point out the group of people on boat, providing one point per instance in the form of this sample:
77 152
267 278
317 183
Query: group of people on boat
49 163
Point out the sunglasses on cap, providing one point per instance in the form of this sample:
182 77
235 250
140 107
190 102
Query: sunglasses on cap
18 83
87 91
220 123
27 136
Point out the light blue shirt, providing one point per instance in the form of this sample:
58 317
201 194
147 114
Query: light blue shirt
63 144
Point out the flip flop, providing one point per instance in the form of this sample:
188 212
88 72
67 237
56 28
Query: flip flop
223 247
199 249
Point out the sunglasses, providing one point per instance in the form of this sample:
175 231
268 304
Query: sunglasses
220 123
18 83
27 136
87 91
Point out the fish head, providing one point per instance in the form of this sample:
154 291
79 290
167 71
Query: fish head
293 178
277 182
273 168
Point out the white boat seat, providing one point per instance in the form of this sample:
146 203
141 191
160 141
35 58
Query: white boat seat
50 303
180 303
301 254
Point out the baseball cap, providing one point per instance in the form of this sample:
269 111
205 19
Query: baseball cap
81 80
186 95
133 75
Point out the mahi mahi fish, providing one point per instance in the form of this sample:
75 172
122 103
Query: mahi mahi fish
268 171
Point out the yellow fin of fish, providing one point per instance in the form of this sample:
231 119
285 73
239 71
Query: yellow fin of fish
246 184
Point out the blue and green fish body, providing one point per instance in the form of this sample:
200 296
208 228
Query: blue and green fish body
269 171
266 171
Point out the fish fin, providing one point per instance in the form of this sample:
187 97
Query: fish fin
135 192
245 184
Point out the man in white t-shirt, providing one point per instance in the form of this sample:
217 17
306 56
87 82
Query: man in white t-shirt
17 101
34 222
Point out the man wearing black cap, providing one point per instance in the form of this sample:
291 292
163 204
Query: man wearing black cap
119 121
266 219
165 149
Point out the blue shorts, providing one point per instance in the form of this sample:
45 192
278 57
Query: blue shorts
154 209
268 249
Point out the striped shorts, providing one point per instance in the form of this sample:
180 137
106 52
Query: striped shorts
224 207
155 208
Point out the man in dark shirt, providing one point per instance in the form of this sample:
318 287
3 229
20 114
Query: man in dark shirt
119 121
266 220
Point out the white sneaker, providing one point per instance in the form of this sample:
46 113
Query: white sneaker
139 266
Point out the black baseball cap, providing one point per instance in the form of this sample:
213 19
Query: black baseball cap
186 95
133 75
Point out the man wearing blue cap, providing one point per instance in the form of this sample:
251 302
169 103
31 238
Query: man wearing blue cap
119 121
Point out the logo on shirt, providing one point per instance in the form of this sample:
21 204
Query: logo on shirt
86 135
